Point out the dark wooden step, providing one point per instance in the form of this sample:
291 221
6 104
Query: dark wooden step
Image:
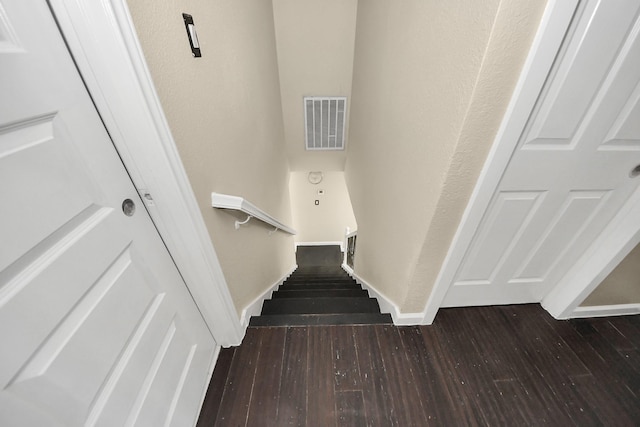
319 257
337 272
320 306
327 293
303 282
321 319
334 272
316 279
320 269
318 286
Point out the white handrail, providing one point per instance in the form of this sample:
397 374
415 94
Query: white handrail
225 201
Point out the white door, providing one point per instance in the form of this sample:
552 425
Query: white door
572 168
96 325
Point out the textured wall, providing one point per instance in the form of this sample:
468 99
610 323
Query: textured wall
225 114
622 285
326 221
431 83
315 41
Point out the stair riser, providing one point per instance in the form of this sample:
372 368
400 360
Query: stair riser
321 320
320 306
319 288
317 282
320 282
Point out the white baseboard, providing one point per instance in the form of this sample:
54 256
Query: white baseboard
605 310
255 307
386 305
348 269
341 244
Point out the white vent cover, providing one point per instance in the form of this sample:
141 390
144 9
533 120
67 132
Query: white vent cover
324 119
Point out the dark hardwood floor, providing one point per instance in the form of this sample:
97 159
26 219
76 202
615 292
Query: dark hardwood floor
506 366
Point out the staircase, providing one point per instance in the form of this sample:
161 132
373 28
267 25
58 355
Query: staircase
320 295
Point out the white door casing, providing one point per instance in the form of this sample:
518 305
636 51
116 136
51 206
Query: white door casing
103 41
97 326
570 172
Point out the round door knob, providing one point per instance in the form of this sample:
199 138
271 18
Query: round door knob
128 207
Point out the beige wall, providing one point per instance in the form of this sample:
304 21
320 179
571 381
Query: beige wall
431 83
621 286
315 40
225 115
325 222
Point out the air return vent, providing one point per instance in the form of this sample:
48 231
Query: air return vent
324 119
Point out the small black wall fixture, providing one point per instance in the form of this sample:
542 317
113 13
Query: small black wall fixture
191 33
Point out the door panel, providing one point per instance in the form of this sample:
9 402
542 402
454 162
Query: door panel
576 152
572 218
96 324
512 213
31 152
586 63
624 132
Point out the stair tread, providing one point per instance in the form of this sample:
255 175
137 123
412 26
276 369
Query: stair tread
315 277
335 286
320 305
320 271
317 293
319 279
321 319
336 273
319 282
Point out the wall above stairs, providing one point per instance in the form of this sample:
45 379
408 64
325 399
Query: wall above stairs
431 83
220 107
326 221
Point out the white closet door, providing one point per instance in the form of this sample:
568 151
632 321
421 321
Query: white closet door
570 172
96 325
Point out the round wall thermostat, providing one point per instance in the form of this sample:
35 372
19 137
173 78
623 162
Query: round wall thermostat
315 177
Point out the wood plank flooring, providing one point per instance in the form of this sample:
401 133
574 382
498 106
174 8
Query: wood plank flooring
509 365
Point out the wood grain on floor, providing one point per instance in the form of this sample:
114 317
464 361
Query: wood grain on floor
510 365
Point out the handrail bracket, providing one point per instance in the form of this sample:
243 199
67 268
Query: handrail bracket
238 223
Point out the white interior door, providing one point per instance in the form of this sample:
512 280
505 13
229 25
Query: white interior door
96 324
571 170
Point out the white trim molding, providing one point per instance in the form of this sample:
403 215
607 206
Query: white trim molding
605 311
385 303
348 269
104 45
605 253
254 308
548 40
